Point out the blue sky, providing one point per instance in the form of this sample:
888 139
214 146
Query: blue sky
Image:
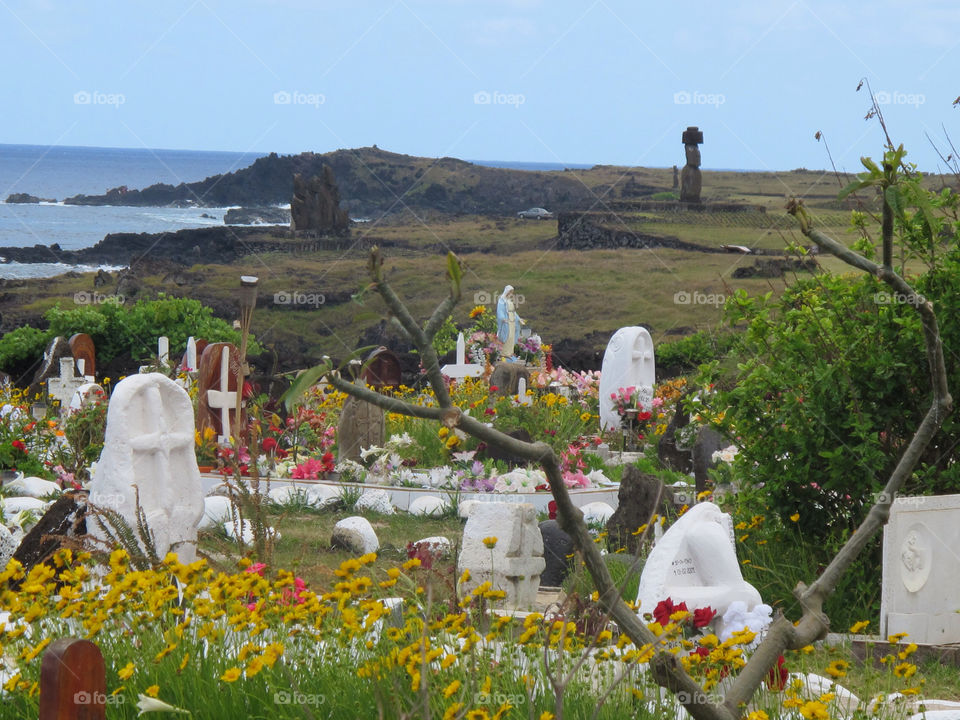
529 80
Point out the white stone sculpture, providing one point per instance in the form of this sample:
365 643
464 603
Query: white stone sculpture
462 369
149 443
355 534
62 388
696 562
627 362
514 564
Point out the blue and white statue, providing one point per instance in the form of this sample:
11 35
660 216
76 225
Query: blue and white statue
508 322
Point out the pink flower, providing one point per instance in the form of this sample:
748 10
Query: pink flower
256 569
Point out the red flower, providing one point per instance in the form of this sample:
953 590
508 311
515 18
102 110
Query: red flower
18 445
701 651
269 444
489 411
777 677
666 608
494 388
552 509
703 617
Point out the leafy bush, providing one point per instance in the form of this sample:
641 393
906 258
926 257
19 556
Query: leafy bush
119 329
691 352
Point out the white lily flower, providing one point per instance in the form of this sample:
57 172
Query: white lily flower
147 704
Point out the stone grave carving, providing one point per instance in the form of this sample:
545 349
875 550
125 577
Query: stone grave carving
361 426
627 362
62 388
921 564
515 563
149 444
696 562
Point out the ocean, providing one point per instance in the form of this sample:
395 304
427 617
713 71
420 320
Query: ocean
59 172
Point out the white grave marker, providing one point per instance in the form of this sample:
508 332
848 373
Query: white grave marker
163 350
62 388
191 360
921 564
462 368
515 562
696 562
222 399
149 444
627 362
522 397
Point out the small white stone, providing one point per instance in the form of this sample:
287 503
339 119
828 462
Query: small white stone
247 531
13 505
438 545
377 501
8 546
596 512
216 512
355 534
428 505
33 487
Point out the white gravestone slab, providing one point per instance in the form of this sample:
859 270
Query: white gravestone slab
62 388
627 362
149 443
84 395
191 357
522 397
516 561
462 368
163 350
696 562
921 564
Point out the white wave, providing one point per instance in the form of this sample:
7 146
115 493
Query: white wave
42 270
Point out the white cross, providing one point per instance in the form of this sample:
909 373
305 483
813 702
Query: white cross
63 387
462 368
163 350
221 399
522 398
191 354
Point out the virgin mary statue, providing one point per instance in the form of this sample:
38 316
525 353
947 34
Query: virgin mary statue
508 322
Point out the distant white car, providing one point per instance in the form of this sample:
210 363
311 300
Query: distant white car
535 214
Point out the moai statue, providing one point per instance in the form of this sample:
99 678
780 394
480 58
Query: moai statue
691 181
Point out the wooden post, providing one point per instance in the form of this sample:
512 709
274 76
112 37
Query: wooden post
73 681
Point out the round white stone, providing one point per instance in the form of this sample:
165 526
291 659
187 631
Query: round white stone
33 487
428 505
216 511
355 534
596 512
377 501
437 545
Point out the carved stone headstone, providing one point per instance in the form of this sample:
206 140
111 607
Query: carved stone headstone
506 377
557 552
515 563
696 562
50 366
669 451
62 388
707 443
627 362
921 564
84 395
362 425
636 504
691 179
85 354
149 449
217 390
381 369
315 207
